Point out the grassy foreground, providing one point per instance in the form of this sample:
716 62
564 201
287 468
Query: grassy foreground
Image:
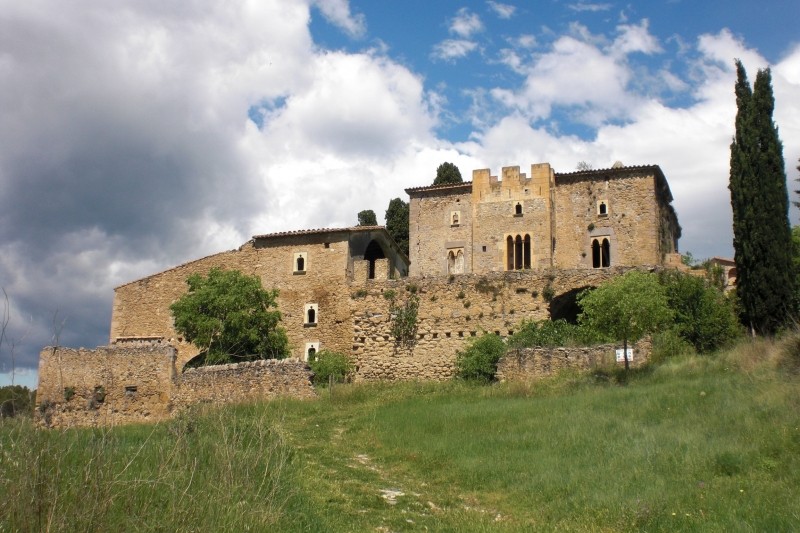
696 444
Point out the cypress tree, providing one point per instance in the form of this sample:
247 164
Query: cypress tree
759 198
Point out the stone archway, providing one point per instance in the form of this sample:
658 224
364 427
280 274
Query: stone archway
565 306
372 254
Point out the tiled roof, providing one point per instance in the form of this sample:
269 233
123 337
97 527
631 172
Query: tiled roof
439 187
606 170
315 231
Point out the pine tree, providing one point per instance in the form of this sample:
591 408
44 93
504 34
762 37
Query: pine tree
367 218
397 222
759 198
447 173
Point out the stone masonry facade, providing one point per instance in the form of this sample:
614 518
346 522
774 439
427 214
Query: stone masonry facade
484 256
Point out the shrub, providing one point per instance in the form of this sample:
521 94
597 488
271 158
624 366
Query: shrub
704 316
789 356
478 362
327 364
669 343
554 333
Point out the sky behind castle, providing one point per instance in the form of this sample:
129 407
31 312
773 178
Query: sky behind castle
136 135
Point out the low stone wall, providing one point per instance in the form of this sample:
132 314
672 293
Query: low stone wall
239 382
533 363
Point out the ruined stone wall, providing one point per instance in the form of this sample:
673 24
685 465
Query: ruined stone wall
631 223
105 386
451 311
138 383
141 308
432 231
257 380
528 364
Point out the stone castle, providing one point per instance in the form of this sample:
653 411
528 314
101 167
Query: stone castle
484 255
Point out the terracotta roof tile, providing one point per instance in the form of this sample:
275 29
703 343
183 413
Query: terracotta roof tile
438 187
314 231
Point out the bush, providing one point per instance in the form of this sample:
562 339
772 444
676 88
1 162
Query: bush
327 363
669 343
704 316
789 357
554 333
478 362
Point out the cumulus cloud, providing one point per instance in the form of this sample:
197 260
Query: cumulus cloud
503 11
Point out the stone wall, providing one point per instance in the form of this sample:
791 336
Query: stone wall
451 311
529 364
105 386
138 383
240 382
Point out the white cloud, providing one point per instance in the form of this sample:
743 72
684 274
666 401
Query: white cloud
337 12
450 49
465 24
504 11
587 6
635 38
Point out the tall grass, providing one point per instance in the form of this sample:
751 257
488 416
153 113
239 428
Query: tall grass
212 471
697 443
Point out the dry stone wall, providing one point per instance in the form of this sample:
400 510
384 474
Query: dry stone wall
138 383
529 364
451 311
266 379
105 386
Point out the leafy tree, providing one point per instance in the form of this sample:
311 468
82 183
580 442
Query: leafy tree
796 203
397 223
704 317
447 173
761 232
478 362
367 218
230 317
626 308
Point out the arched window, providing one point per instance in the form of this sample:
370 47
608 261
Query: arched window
601 253
602 209
312 316
518 209
518 252
459 265
312 352
301 263
451 262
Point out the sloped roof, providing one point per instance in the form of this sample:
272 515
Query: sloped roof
316 231
445 186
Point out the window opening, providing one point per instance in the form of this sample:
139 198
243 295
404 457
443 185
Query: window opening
455 219
601 253
301 263
602 210
311 353
312 316
518 209
518 252
372 254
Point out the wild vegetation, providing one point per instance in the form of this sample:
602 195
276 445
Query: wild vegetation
576 452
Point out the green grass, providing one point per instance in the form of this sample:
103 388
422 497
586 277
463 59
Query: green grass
696 444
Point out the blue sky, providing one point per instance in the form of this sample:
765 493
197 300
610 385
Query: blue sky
139 135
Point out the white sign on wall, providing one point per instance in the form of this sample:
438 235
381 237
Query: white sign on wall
621 355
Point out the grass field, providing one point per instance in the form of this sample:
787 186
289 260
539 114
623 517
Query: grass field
695 444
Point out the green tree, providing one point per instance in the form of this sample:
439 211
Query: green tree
330 366
626 308
796 203
447 173
16 400
759 199
230 317
704 317
367 218
397 223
